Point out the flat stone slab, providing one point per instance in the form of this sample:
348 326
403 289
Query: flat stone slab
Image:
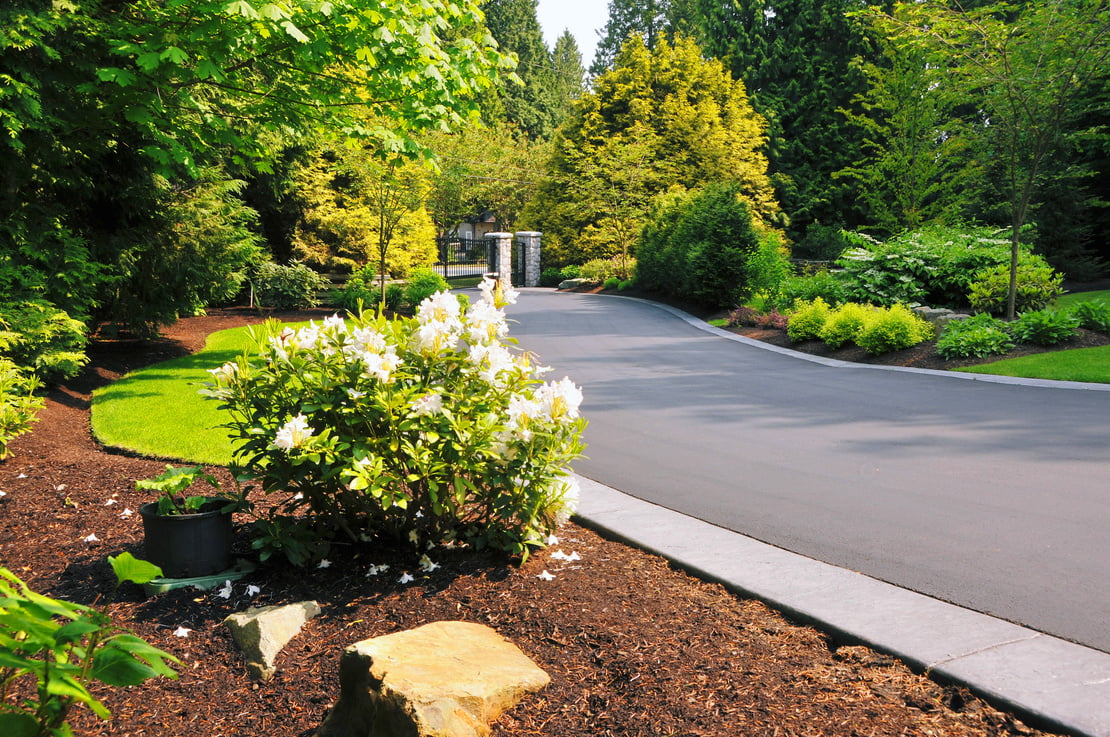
445 679
261 633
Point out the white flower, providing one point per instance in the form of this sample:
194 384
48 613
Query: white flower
405 578
441 307
293 433
564 498
485 323
427 404
182 631
225 372
374 570
491 360
552 540
335 325
355 394
496 293
426 564
92 538
225 591
368 339
560 555
559 400
433 337
545 576
253 590
325 563
126 513
307 338
380 365
110 502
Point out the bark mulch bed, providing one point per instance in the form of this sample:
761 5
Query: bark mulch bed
634 646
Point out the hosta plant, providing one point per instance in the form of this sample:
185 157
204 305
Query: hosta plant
1045 327
976 337
1093 315
427 429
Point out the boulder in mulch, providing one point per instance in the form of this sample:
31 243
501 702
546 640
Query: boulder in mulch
445 679
261 633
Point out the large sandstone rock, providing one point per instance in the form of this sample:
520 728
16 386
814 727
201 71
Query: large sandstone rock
261 633
445 679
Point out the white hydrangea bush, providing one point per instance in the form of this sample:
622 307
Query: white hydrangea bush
430 429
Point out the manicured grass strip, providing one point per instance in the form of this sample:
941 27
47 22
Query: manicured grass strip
157 411
1081 364
1070 299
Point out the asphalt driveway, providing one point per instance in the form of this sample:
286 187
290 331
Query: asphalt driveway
993 496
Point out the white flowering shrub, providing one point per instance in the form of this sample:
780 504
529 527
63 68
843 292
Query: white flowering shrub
428 429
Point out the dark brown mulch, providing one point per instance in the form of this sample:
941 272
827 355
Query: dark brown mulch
634 647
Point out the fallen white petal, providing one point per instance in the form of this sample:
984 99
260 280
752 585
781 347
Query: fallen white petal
545 576
110 502
92 538
225 592
125 513
325 563
253 590
182 631
552 540
21 476
406 578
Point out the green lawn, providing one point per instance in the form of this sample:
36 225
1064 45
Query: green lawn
157 411
1081 364
1069 299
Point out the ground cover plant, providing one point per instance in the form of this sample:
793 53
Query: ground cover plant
633 646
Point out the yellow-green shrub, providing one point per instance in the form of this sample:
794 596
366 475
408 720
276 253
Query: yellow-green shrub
808 320
844 323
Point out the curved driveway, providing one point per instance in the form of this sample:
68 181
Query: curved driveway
989 495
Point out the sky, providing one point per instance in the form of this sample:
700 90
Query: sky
584 18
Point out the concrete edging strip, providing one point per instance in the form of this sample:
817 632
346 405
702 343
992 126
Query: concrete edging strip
1047 680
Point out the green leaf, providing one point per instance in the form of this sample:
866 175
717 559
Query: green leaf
67 686
73 631
293 31
18 725
148 61
176 55
130 568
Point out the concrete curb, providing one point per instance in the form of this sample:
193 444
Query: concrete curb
1048 681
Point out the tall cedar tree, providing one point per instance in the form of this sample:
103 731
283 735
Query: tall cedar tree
531 105
798 59
657 120
652 20
570 75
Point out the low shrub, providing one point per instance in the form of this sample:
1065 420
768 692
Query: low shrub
426 429
423 283
611 283
844 323
1045 327
291 287
807 320
624 285
743 316
1092 315
394 297
19 407
58 649
38 336
600 270
362 289
1038 285
976 337
571 271
771 319
551 277
823 283
892 329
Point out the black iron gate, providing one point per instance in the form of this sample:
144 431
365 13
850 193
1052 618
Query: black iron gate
518 262
462 257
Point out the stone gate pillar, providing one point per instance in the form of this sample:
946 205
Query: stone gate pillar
501 257
530 247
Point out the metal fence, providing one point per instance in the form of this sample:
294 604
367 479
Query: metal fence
462 257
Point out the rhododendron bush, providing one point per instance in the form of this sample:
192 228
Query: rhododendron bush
430 430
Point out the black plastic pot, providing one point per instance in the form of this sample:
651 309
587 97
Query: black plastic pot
187 545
